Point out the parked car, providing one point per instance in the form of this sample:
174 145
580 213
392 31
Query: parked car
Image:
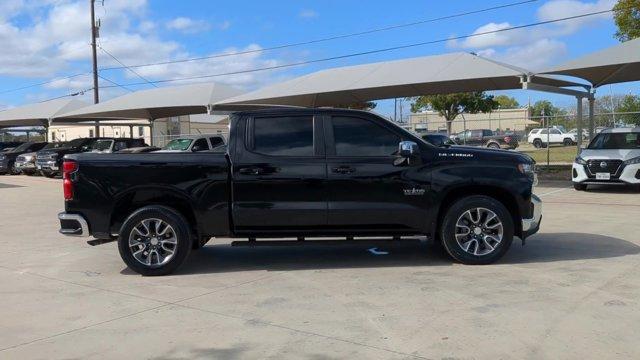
438 140
194 144
486 138
49 162
542 137
8 146
8 159
612 157
139 150
26 163
297 173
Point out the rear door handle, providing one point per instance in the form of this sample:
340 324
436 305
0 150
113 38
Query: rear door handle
343 169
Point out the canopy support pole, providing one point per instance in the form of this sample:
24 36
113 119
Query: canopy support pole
579 122
591 125
150 132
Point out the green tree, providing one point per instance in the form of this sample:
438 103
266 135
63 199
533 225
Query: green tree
507 102
627 17
450 106
544 111
629 104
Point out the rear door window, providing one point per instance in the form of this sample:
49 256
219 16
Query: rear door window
216 141
283 136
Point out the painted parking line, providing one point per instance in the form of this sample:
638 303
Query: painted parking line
554 191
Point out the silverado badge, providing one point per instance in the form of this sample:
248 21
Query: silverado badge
413 192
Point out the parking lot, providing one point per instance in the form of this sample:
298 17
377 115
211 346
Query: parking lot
571 292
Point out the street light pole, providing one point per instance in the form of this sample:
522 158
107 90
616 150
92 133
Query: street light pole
94 31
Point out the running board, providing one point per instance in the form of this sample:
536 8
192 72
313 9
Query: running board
96 242
252 243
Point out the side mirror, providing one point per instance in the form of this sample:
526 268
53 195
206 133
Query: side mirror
407 149
196 148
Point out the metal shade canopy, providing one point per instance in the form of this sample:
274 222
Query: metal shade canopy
440 74
619 63
38 114
155 103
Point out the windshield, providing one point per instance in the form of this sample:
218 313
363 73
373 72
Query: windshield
22 147
55 145
178 144
616 141
101 145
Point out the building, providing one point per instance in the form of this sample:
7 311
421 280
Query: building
517 120
163 129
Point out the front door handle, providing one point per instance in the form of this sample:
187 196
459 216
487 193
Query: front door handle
251 171
344 169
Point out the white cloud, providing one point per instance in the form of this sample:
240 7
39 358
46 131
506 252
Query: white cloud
535 47
565 8
50 38
187 25
534 56
308 14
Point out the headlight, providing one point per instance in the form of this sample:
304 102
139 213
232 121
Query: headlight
2 157
635 160
580 161
526 168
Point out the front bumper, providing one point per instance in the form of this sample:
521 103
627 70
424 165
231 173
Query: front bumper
28 165
73 225
628 175
47 164
532 225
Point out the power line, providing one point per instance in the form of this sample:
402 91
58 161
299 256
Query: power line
377 50
114 83
126 67
315 41
43 83
81 92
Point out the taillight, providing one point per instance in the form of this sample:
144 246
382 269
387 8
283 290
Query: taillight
507 139
68 168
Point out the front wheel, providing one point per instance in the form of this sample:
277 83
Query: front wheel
13 170
49 174
477 230
493 146
567 142
154 240
537 143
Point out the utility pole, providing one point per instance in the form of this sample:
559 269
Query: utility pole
94 35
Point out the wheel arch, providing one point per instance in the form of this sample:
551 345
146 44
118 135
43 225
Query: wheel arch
501 194
134 199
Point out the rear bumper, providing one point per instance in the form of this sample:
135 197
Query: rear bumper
532 225
73 225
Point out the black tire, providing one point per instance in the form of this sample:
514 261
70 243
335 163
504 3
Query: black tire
537 143
493 146
12 169
181 230
456 211
49 174
580 187
567 142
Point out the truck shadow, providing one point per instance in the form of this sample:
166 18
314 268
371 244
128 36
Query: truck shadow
540 248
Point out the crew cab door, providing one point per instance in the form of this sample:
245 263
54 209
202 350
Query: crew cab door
279 175
367 192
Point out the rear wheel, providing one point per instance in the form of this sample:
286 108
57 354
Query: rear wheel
537 143
477 230
154 240
493 146
580 187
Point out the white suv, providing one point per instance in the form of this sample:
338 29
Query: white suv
542 137
612 157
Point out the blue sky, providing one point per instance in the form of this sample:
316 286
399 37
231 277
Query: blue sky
47 39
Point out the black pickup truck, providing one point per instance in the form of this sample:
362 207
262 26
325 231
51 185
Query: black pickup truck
301 173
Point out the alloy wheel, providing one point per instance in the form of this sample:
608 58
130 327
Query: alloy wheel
153 242
479 231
